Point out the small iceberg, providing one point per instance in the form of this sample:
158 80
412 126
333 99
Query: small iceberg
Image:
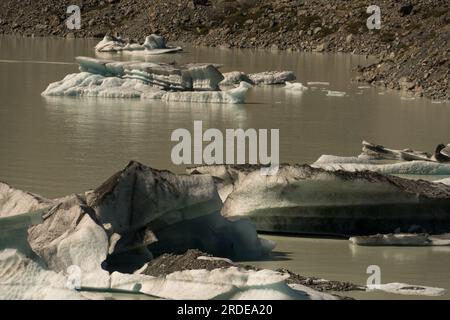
261 78
402 239
318 83
153 45
331 93
295 86
407 289
272 77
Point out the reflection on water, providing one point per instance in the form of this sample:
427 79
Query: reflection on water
340 260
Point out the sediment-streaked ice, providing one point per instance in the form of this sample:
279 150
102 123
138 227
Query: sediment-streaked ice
407 289
402 239
355 164
153 45
272 77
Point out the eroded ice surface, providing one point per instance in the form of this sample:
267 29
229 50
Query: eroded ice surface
24 279
354 164
272 77
305 199
15 202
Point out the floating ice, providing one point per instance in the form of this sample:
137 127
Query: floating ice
272 77
235 77
295 86
236 95
317 83
402 239
353 164
153 45
331 93
407 289
304 199
109 79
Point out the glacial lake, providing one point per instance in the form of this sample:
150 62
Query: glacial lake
57 146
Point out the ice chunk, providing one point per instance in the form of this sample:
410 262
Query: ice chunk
333 163
154 44
304 199
296 86
226 283
407 289
272 77
196 76
70 237
22 278
317 83
402 239
331 93
235 77
235 95
86 84
15 202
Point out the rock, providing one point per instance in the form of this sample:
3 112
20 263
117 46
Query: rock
406 9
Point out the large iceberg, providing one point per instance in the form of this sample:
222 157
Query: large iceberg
307 200
145 80
153 45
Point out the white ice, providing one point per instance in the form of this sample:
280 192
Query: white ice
14 202
24 279
153 45
407 289
295 86
317 83
232 96
331 93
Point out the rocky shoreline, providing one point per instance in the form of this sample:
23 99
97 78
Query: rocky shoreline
412 47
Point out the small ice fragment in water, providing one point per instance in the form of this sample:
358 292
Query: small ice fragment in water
317 83
296 86
331 93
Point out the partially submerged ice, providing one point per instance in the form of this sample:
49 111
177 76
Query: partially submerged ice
307 200
146 80
153 45
402 239
261 78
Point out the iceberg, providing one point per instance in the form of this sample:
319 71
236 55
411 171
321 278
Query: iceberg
272 77
295 86
402 239
407 289
303 199
331 93
235 77
153 45
354 164
108 79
